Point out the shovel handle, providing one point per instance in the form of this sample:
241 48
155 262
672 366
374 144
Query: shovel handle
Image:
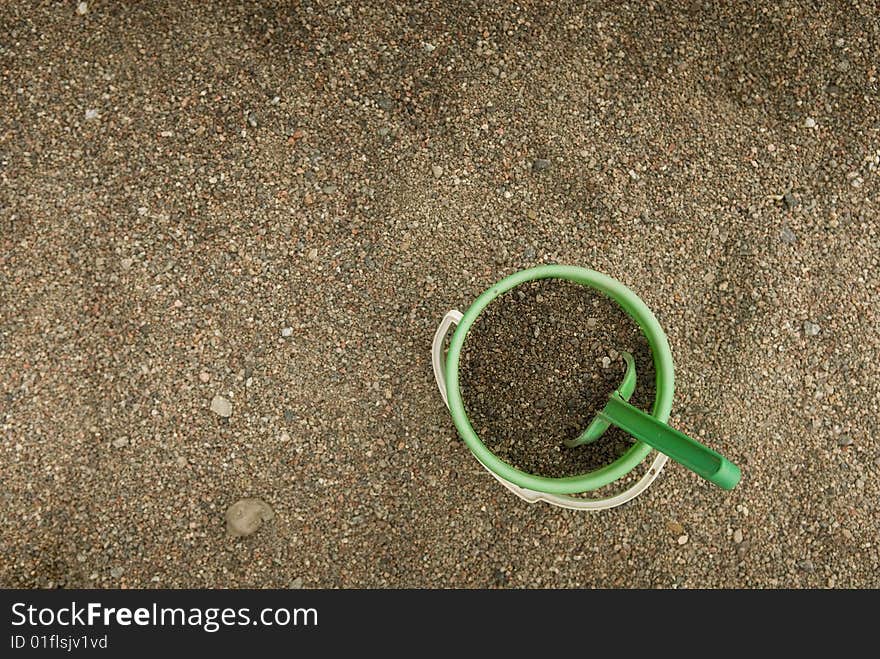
687 451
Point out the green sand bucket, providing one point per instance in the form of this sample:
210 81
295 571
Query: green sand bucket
650 430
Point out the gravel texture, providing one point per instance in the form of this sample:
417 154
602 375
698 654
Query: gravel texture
155 240
538 365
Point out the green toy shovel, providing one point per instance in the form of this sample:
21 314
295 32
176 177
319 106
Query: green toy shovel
686 451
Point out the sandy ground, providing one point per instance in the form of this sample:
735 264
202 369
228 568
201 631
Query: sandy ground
181 181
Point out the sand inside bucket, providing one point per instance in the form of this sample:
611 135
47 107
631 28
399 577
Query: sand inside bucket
538 364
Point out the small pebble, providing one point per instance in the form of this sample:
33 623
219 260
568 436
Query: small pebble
116 572
252 120
790 200
287 332
297 583
738 536
437 171
221 407
844 440
682 539
329 189
91 114
811 328
245 516
119 443
786 235
540 164
82 8
809 122
204 377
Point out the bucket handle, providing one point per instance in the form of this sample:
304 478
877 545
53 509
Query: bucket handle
438 361
438 358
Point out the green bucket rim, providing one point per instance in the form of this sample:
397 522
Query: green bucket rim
663 366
